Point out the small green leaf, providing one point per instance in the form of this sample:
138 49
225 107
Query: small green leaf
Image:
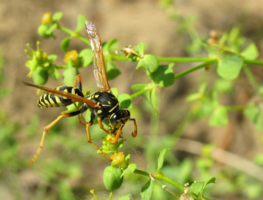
51 29
107 45
125 101
251 52
164 75
222 85
53 73
229 65
139 48
149 62
65 44
57 16
69 75
52 58
126 197
81 22
212 180
40 76
130 169
115 92
86 56
147 190
255 115
198 187
112 70
219 117
161 158
193 97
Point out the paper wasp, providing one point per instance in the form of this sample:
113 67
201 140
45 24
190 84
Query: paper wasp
102 103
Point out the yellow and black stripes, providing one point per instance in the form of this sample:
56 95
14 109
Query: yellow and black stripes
51 100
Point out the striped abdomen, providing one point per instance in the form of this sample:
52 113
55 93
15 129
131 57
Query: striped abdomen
51 100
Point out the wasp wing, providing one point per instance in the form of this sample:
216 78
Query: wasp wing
98 59
64 94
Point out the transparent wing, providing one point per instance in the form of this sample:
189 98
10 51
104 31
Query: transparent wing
98 59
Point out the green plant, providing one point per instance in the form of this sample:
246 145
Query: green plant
226 53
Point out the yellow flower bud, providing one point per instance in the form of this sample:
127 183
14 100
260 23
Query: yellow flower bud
47 18
73 55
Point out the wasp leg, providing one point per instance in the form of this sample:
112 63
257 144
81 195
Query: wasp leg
33 160
101 125
134 134
78 82
89 138
118 134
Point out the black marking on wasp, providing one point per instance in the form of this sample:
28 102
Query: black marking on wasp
103 104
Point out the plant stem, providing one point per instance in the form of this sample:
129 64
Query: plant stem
141 92
184 59
117 57
181 74
74 34
251 77
235 108
255 62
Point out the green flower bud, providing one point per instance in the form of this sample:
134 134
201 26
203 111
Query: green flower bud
112 178
42 31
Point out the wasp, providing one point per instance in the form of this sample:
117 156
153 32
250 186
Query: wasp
103 104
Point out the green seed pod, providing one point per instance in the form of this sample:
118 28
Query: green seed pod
40 76
42 31
112 178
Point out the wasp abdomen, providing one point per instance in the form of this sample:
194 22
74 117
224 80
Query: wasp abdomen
51 100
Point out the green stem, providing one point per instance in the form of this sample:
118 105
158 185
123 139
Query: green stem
137 171
179 75
160 176
255 62
183 59
251 77
235 108
111 194
141 92
74 34
117 57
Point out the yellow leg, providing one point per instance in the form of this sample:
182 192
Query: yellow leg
101 125
33 160
118 134
89 141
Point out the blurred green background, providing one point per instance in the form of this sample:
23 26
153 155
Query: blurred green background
69 167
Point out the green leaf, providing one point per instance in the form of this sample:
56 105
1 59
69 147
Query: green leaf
255 115
115 92
126 197
40 76
139 48
251 52
57 16
147 190
65 44
222 85
81 22
51 29
107 45
193 97
125 101
161 158
229 65
52 58
149 62
86 56
164 75
112 70
198 187
69 75
219 117
53 72
130 169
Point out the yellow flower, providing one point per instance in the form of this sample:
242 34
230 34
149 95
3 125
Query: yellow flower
47 18
119 159
73 55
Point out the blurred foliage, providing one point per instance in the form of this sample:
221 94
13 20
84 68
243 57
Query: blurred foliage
229 54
